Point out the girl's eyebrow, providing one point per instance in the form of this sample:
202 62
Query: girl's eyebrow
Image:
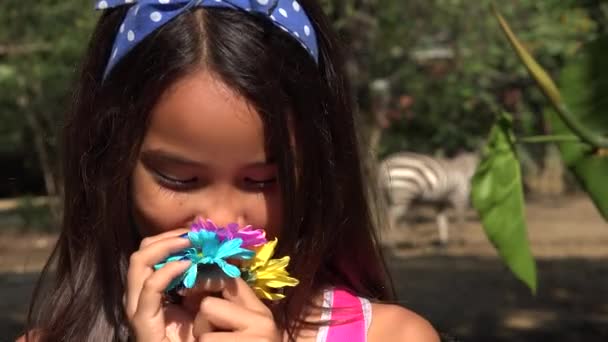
159 155
262 163
163 156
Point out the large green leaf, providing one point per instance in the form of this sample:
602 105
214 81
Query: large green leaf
584 87
497 195
579 111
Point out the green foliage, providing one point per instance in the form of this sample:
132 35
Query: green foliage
584 85
40 46
450 56
580 113
497 185
497 195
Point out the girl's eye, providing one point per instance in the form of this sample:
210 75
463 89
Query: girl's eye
260 184
175 183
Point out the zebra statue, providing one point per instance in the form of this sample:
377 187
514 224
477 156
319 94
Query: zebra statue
406 177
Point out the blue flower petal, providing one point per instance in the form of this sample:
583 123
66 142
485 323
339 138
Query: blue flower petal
190 277
195 239
194 257
244 254
207 235
229 248
168 260
206 260
191 252
207 249
176 258
230 270
209 242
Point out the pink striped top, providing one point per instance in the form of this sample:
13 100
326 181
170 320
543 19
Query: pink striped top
350 316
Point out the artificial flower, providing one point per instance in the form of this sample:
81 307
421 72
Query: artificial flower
251 237
265 274
208 249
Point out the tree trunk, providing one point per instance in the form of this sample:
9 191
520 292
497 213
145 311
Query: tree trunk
48 171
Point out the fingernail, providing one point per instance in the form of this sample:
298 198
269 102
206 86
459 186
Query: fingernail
185 235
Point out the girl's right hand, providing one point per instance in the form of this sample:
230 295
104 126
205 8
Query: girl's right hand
150 318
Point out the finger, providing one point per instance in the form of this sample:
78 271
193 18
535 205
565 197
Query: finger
210 280
172 233
239 292
200 326
141 263
191 303
225 315
150 301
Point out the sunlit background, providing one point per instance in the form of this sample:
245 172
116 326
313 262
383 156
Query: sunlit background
430 76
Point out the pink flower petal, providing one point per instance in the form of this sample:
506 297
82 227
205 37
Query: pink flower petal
251 237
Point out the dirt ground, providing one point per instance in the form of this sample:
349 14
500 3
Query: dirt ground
463 289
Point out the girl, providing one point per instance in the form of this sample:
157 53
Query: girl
234 110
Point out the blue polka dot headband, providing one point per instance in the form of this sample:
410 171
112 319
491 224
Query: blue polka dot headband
145 16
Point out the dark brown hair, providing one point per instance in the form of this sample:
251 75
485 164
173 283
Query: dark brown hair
328 227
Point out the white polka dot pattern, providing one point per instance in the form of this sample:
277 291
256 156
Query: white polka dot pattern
146 16
156 16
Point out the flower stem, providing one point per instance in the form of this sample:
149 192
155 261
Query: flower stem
549 139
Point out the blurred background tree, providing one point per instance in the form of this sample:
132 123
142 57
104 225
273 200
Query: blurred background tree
428 75
40 46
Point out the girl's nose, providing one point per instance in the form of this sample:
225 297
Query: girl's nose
222 205
223 215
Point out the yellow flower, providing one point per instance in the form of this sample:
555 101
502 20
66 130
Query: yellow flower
266 274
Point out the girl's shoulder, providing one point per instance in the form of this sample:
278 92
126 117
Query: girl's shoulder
392 322
360 319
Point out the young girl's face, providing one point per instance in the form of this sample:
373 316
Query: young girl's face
204 154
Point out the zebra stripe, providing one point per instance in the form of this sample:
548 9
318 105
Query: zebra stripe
427 176
408 176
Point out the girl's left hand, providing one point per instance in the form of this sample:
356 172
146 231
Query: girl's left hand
238 316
